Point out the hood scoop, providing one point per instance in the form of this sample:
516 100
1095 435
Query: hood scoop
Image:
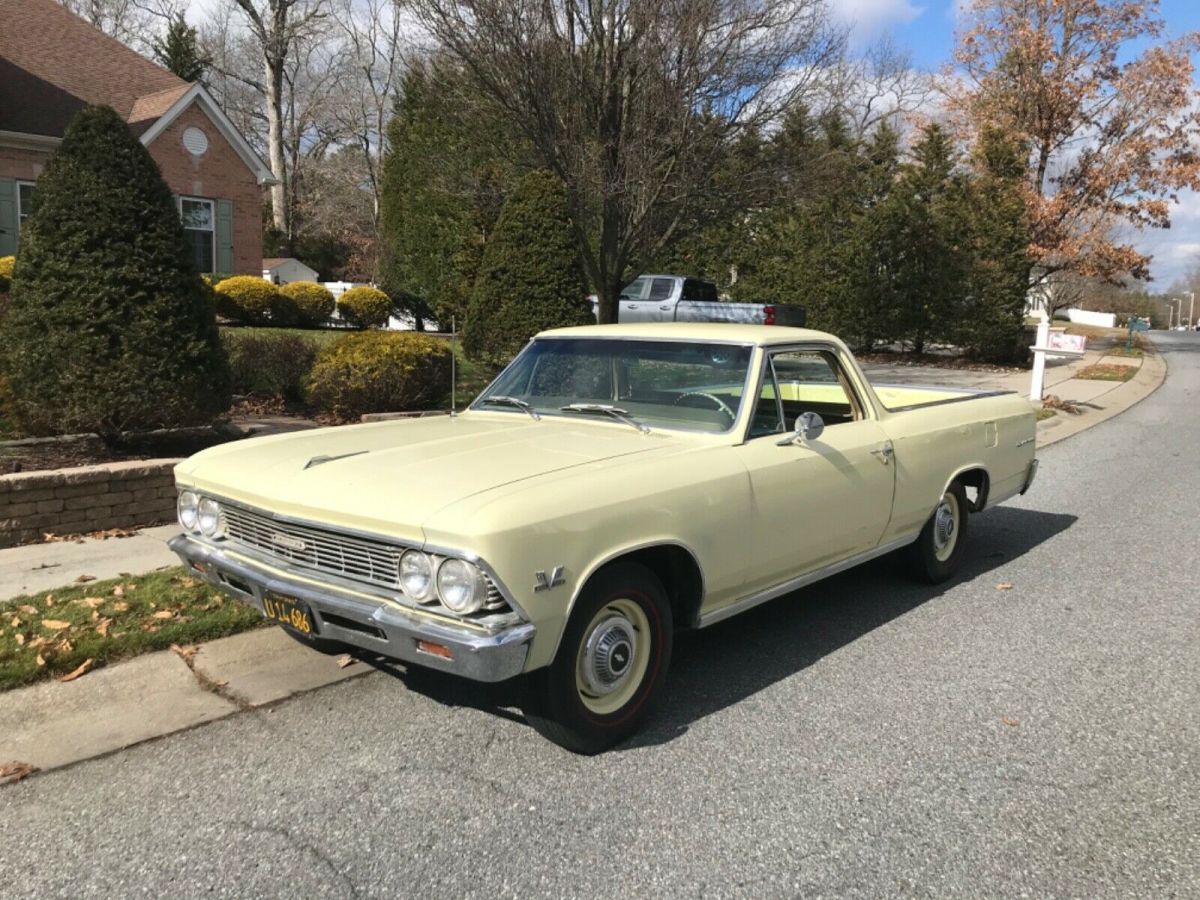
321 460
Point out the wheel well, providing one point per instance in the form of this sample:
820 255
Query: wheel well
975 480
680 575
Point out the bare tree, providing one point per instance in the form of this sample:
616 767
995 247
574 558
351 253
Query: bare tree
632 102
135 23
277 27
880 86
372 39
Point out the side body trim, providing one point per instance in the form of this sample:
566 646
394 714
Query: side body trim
740 606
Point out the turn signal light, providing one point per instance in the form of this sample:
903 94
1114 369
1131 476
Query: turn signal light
435 649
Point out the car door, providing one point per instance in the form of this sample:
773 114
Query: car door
819 501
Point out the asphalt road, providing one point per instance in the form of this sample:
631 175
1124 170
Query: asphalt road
865 737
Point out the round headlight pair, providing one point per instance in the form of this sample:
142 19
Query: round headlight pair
460 586
201 514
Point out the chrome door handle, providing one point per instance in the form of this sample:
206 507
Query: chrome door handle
884 453
664 308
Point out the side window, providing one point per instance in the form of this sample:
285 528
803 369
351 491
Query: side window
635 290
660 288
800 381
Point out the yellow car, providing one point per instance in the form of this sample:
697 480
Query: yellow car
613 484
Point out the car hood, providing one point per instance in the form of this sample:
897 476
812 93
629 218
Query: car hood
390 477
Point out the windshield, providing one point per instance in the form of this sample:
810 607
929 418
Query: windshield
657 384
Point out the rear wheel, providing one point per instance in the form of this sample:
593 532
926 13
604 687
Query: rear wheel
937 553
611 664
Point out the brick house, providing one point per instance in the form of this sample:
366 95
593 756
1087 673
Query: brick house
52 63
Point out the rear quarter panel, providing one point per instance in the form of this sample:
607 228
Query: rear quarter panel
933 445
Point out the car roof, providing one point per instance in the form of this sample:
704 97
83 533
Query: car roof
722 332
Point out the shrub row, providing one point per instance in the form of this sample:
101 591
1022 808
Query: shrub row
249 300
353 374
6 269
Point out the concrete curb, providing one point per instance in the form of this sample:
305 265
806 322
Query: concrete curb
1125 394
53 724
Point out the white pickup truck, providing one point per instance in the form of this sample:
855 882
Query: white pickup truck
676 298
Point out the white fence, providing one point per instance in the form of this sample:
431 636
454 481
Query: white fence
1087 317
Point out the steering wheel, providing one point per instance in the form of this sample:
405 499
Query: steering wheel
720 404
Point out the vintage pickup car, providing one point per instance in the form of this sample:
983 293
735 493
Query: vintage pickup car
613 484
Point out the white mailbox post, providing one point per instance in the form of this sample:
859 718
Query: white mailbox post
1051 344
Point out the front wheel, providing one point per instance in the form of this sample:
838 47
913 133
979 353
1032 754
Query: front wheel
938 551
611 664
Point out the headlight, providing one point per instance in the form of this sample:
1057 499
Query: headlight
416 574
209 517
461 587
187 509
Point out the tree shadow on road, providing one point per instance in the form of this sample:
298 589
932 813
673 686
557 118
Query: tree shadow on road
720 666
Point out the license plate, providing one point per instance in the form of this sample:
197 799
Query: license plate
290 613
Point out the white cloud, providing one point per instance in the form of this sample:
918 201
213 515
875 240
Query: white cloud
869 18
1175 249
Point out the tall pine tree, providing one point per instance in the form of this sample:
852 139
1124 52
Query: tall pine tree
179 51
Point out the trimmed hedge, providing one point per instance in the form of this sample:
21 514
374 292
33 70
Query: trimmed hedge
6 270
364 307
250 300
380 372
312 303
108 328
269 365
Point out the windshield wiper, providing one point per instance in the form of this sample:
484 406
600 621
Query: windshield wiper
609 410
504 400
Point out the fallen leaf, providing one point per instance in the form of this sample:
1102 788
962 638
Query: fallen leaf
84 667
344 660
146 626
1004 586
95 615
65 647
131 587
1011 723
16 623
55 624
164 614
14 771
38 641
49 601
28 610
118 591
186 652
102 627
184 582
84 579
92 602
120 607
41 660
20 639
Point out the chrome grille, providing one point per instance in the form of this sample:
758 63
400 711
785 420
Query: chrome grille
347 556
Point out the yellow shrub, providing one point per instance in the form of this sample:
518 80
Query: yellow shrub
6 269
364 307
312 303
250 300
380 372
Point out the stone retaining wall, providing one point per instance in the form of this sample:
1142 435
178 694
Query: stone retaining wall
84 499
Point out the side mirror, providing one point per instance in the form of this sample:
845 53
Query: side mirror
809 427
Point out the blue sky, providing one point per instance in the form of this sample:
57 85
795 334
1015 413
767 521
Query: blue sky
925 28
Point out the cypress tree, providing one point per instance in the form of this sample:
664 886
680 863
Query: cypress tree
179 51
530 278
110 328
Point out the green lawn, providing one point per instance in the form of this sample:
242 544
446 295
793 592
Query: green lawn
52 634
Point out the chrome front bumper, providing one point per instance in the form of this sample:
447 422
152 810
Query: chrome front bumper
342 616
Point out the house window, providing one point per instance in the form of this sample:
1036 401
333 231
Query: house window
24 203
199 225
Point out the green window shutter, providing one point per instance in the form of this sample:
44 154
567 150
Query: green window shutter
224 236
8 217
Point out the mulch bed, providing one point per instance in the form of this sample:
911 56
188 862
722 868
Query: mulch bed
85 450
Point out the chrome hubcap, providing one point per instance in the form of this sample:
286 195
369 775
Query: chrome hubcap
608 654
943 525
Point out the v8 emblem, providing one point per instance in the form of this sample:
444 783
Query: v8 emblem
544 582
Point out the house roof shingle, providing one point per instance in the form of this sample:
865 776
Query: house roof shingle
52 63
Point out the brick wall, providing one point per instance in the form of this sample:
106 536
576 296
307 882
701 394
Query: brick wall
218 174
84 499
22 164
